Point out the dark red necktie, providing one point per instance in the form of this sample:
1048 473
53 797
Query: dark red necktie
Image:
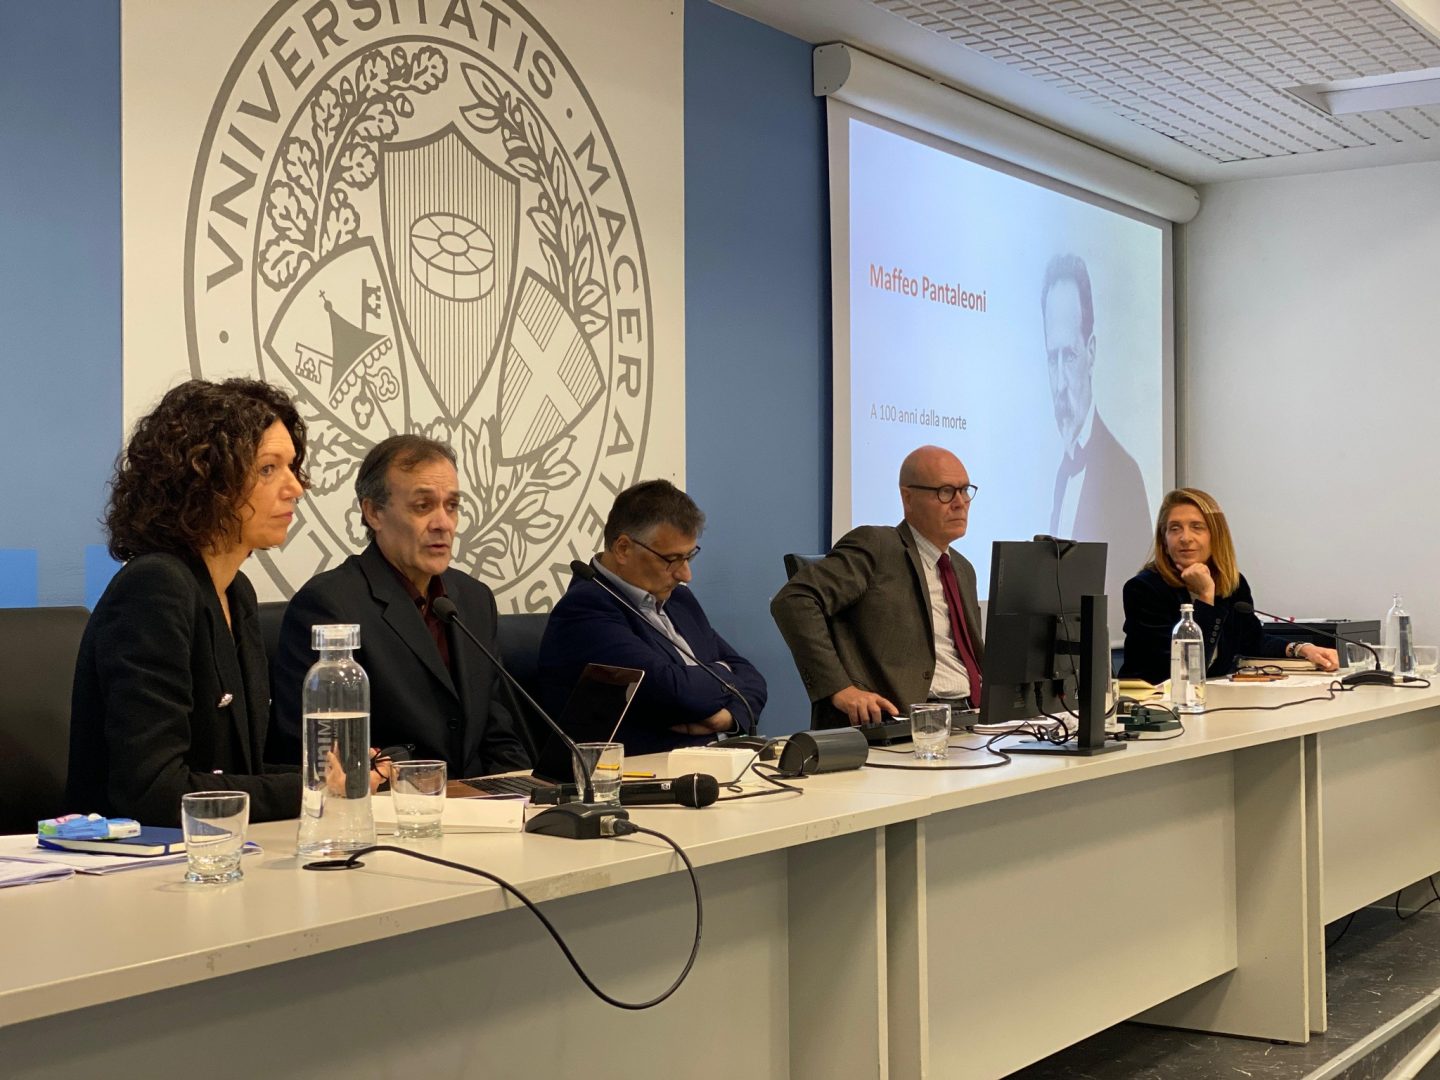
957 625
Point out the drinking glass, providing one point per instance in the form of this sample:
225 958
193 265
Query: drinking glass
603 763
214 824
1427 660
417 792
930 731
1360 657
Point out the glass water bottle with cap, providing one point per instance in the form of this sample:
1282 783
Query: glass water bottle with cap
335 812
1187 663
1396 634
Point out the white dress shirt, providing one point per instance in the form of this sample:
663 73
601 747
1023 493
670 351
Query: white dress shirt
951 679
653 611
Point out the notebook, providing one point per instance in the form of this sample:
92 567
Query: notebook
151 842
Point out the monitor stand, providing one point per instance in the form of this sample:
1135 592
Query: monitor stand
1094 678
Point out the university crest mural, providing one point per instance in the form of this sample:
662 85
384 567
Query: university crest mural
413 217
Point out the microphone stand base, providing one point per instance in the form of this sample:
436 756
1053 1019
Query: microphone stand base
578 821
1370 678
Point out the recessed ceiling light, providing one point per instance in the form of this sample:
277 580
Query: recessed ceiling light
1376 93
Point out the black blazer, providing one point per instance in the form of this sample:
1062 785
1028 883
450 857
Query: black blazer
150 719
464 721
589 625
1152 608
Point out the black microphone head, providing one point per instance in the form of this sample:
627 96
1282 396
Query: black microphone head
444 609
1242 608
696 789
582 569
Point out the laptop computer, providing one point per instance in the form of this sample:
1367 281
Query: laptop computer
592 713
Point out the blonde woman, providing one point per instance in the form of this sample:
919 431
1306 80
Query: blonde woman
1193 561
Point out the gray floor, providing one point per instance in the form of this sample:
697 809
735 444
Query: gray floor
1377 970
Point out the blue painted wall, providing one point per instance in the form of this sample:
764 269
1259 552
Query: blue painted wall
59 291
757 328
757 311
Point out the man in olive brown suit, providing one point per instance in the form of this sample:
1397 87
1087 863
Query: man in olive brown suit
889 618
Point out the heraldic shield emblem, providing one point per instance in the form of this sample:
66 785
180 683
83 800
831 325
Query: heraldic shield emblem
451 222
333 340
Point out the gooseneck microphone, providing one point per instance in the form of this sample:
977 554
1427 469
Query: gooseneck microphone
1378 677
589 573
584 820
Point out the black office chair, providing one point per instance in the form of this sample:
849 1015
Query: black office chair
520 653
38 647
794 561
271 614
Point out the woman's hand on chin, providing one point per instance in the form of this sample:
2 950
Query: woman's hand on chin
1198 580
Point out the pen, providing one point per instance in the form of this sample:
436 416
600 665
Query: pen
637 776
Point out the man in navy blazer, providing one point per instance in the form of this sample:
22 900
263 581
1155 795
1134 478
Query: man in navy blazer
649 544
429 685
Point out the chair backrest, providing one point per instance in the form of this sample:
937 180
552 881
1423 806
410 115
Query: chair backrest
271 614
38 647
794 561
520 652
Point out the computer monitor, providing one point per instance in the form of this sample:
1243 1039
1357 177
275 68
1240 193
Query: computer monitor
1046 647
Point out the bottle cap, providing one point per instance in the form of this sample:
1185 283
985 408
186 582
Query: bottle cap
343 636
1183 608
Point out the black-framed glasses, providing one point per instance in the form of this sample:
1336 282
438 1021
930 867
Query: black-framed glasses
946 492
670 561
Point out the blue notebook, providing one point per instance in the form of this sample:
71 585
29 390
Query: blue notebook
151 842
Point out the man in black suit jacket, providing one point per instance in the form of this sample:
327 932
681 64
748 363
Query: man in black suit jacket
870 625
429 685
1099 492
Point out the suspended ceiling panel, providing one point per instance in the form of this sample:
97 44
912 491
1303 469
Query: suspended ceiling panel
1197 90
1213 76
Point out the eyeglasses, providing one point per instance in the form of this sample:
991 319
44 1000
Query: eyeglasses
670 561
946 493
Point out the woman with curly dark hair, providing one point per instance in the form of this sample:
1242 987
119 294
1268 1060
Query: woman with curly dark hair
171 691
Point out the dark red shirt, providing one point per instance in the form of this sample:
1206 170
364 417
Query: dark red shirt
423 603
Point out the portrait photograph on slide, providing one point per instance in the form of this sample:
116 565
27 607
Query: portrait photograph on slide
1021 327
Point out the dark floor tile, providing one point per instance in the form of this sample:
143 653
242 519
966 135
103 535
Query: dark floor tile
1377 969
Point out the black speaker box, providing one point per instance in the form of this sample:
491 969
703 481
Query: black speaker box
829 750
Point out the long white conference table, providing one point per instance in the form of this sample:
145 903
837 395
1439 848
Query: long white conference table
886 923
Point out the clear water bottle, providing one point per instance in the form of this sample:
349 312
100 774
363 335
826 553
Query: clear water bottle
1396 634
1187 663
335 812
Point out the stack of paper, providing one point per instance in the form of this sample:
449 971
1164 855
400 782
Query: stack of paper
23 872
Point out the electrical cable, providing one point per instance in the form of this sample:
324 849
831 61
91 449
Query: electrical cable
1422 907
622 828
1334 690
988 747
759 769
1336 939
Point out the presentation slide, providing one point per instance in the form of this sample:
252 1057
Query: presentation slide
1018 326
